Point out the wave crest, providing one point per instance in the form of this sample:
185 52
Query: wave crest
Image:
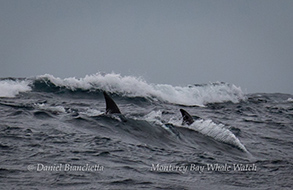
128 86
137 87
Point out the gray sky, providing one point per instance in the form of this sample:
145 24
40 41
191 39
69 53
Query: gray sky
248 43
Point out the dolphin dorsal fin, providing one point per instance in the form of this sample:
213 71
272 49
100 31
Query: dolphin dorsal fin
187 119
111 106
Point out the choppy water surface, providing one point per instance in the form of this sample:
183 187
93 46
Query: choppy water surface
55 135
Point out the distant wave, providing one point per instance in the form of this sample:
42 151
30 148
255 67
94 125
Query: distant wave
129 86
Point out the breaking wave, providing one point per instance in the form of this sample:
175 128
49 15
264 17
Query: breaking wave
11 88
130 86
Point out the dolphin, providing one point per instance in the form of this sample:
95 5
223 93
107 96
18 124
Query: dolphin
187 118
111 106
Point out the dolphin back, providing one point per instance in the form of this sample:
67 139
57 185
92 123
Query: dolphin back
187 119
111 106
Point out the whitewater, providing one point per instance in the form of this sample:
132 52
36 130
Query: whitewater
55 135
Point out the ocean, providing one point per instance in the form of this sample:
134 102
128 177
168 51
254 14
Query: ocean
55 134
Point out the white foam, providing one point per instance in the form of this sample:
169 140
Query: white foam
154 117
92 112
53 109
211 129
136 87
11 88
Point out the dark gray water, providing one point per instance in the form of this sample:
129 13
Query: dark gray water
55 135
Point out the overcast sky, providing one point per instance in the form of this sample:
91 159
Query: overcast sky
248 43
